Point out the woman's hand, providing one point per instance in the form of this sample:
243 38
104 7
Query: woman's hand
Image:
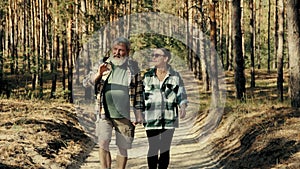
182 111
138 118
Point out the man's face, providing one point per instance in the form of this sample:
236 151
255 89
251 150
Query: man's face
120 54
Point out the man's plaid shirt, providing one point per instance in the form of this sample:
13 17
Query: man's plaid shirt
135 86
162 100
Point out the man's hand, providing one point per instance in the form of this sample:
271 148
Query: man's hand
102 68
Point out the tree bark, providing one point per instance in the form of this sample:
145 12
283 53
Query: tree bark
239 75
253 47
213 55
279 49
54 54
70 54
33 45
242 26
1 47
41 48
269 38
229 38
259 20
85 49
222 30
203 51
293 8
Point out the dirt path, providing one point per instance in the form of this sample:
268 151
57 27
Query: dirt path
186 152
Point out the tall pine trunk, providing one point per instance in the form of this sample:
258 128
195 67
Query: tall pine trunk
239 75
293 8
229 38
85 49
213 54
54 54
252 40
269 38
259 20
1 45
203 51
70 53
41 48
279 50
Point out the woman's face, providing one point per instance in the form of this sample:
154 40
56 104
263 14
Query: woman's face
159 58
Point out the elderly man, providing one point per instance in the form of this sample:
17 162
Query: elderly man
118 86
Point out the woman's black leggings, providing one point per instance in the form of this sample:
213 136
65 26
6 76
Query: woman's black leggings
159 143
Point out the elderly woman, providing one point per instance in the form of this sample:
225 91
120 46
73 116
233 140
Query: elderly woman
164 94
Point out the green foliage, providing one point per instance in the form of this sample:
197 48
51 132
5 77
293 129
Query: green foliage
3 9
169 6
33 69
148 4
148 40
142 45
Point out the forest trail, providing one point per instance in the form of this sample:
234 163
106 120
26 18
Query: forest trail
186 152
42 134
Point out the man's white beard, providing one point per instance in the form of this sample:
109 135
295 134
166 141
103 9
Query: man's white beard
118 61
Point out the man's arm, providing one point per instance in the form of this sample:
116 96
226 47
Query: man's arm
95 76
139 104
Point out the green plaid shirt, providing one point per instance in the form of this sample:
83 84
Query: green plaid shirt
162 99
135 86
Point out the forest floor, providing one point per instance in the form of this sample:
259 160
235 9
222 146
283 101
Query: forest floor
261 133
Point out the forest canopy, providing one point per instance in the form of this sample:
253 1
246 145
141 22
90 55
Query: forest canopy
41 41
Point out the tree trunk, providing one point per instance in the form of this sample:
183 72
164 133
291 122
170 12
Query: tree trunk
33 45
28 40
240 80
11 34
85 49
54 54
70 54
16 39
202 48
222 30
188 35
77 44
229 38
243 27
259 20
252 29
293 8
213 55
24 29
269 38
275 34
1 48
41 49
63 66
279 49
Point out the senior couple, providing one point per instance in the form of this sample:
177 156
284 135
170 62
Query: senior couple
157 99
